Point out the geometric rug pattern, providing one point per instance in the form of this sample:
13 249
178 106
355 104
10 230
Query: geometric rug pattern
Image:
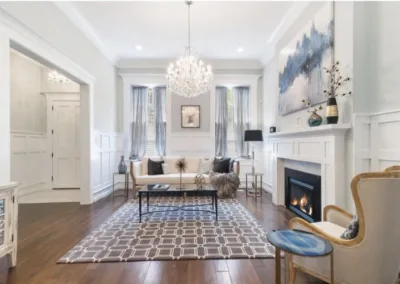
174 235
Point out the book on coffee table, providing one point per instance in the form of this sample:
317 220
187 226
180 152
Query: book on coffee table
159 187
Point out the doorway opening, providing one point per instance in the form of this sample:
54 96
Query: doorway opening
45 131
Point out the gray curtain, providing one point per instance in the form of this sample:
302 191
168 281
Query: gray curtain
241 119
159 99
221 121
139 124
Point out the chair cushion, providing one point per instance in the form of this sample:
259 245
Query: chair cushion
154 167
330 228
187 178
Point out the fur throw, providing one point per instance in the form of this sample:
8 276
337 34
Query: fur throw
226 184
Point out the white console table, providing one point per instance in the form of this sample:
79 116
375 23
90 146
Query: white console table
9 221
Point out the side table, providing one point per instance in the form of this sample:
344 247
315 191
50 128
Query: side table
126 194
256 185
295 242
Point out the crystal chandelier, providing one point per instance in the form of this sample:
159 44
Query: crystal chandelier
189 77
56 77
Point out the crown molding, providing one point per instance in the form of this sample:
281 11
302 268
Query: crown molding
288 20
84 26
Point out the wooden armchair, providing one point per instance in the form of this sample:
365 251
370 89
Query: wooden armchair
374 255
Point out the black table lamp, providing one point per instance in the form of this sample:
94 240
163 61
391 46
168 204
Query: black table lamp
253 136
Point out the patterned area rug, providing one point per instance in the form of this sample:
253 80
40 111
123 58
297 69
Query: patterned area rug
174 235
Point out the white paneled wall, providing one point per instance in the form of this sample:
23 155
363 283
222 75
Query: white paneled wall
29 161
376 141
109 148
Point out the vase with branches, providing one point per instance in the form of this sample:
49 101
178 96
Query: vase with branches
336 85
181 166
315 119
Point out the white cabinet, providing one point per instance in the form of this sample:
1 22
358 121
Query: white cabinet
8 221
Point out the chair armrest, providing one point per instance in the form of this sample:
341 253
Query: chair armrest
135 170
337 215
302 225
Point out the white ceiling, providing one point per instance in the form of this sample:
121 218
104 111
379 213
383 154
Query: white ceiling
218 28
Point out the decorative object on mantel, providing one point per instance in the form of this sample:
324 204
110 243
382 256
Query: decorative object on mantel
315 119
190 116
181 166
200 181
337 81
189 77
272 129
122 166
300 63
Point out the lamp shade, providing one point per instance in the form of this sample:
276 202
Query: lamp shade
253 135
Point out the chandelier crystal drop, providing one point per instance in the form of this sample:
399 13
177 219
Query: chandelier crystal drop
188 77
56 77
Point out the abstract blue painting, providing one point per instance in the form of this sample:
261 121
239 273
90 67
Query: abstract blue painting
301 74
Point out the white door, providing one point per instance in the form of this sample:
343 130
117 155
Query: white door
66 148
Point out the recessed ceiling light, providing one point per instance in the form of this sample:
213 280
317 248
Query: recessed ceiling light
240 49
139 47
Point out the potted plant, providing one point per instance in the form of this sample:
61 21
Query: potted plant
181 166
336 82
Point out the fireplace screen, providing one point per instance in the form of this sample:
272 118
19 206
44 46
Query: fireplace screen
303 194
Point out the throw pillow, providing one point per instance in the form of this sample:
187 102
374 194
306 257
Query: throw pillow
155 167
206 166
231 164
221 165
352 230
165 168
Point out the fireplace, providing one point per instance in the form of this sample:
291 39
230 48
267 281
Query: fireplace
303 194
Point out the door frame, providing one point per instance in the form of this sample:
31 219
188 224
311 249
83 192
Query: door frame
15 34
50 98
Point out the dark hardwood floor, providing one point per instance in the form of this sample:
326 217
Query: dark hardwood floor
48 231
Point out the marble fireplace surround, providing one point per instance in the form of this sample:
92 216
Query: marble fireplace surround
323 145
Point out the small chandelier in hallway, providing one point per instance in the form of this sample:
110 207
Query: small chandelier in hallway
189 77
55 77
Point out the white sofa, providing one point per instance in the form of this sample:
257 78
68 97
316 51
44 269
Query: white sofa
140 175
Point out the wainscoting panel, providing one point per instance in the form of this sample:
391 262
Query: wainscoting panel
376 142
109 149
30 161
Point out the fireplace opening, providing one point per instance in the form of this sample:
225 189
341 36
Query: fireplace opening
303 194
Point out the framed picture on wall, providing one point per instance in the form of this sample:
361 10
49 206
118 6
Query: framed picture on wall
190 116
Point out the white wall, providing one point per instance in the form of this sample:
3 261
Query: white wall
28 106
45 19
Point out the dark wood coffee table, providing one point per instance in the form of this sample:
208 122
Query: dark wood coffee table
173 189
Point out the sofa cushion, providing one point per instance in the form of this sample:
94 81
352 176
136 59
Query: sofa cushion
193 164
154 167
330 228
171 161
145 160
221 165
187 178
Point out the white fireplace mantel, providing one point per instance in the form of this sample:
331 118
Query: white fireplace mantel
323 145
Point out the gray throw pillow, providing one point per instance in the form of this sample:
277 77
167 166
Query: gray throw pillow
352 230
